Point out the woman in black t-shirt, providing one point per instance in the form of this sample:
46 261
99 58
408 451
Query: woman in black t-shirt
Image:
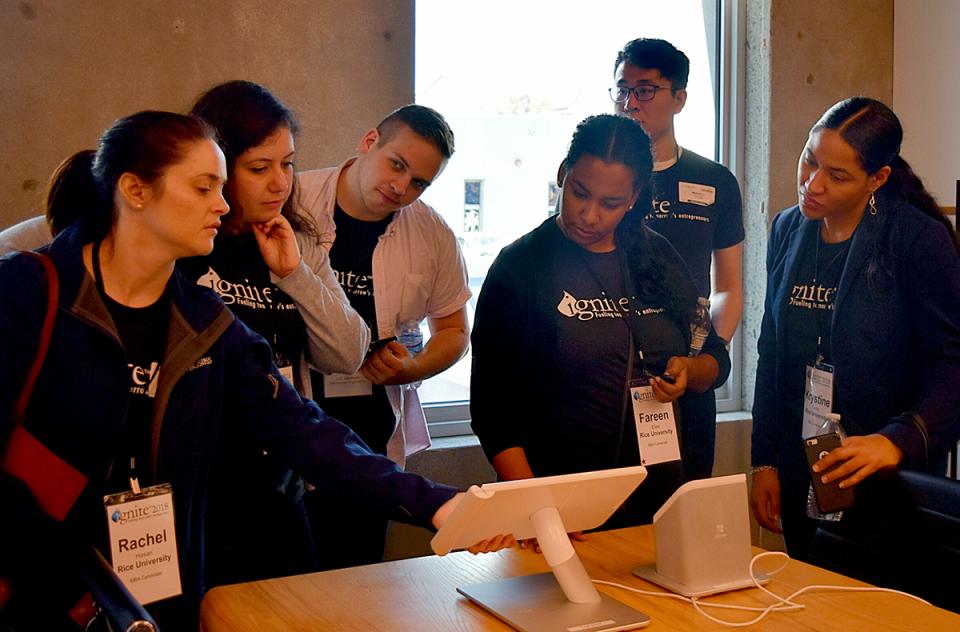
562 310
269 268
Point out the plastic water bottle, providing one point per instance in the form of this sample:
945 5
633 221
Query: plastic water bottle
700 327
410 336
832 424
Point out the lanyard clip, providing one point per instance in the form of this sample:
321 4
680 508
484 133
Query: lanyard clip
134 481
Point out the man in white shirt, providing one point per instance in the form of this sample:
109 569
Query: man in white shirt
398 262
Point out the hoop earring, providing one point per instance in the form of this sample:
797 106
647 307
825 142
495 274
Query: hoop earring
873 205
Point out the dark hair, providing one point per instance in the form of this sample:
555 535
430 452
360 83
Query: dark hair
621 140
144 144
424 122
657 54
70 184
244 115
874 132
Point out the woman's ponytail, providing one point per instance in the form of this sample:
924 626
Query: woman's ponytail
73 194
904 183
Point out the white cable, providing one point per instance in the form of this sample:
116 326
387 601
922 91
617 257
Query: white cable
783 604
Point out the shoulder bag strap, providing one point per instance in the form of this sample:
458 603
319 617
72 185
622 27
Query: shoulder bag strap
46 332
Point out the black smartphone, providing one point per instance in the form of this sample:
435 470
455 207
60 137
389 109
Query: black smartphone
376 344
830 496
669 379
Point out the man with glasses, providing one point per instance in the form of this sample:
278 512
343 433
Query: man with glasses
398 263
697 206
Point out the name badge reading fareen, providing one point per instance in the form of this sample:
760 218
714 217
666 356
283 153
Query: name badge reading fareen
143 542
656 427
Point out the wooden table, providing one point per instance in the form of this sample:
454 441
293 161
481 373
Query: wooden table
420 595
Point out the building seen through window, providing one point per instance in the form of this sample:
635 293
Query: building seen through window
514 102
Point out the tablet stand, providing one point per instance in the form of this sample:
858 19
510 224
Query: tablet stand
563 600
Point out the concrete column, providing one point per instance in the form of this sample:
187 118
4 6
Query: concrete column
801 57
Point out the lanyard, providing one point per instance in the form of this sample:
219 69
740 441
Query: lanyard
98 280
628 320
633 359
824 320
97 275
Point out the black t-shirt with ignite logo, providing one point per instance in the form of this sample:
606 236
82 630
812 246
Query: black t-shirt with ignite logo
589 316
235 270
143 334
351 258
809 308
697 207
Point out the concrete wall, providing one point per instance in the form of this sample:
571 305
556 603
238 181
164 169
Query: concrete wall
67 69
801 57
926 91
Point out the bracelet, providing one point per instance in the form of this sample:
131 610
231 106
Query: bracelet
763 468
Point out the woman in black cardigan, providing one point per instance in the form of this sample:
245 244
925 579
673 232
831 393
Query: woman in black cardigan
863 275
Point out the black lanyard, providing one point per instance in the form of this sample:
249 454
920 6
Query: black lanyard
825 317
625 282
97 275
128 443
625 286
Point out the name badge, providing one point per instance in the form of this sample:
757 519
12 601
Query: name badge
286 372
656 426
346 385
699 194
143 542
817 398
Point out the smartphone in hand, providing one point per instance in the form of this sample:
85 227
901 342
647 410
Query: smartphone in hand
377 344
669 379
830 496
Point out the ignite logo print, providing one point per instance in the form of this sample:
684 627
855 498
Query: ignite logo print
590 308
211 279
661 210
143 380
567 305
243 294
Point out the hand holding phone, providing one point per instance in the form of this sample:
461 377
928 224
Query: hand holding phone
378 344
830 496
666 377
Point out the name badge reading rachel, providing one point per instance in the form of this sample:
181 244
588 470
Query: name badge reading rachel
656 426
346 385
817 398
143 542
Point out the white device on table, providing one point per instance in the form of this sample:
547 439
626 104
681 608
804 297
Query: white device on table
702 539
547 509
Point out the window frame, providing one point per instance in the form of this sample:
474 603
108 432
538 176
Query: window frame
446 419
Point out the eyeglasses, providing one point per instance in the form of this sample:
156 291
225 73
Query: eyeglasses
643 92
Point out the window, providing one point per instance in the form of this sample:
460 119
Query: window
514 102
472 207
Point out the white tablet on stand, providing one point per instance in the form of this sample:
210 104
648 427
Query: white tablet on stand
547 509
